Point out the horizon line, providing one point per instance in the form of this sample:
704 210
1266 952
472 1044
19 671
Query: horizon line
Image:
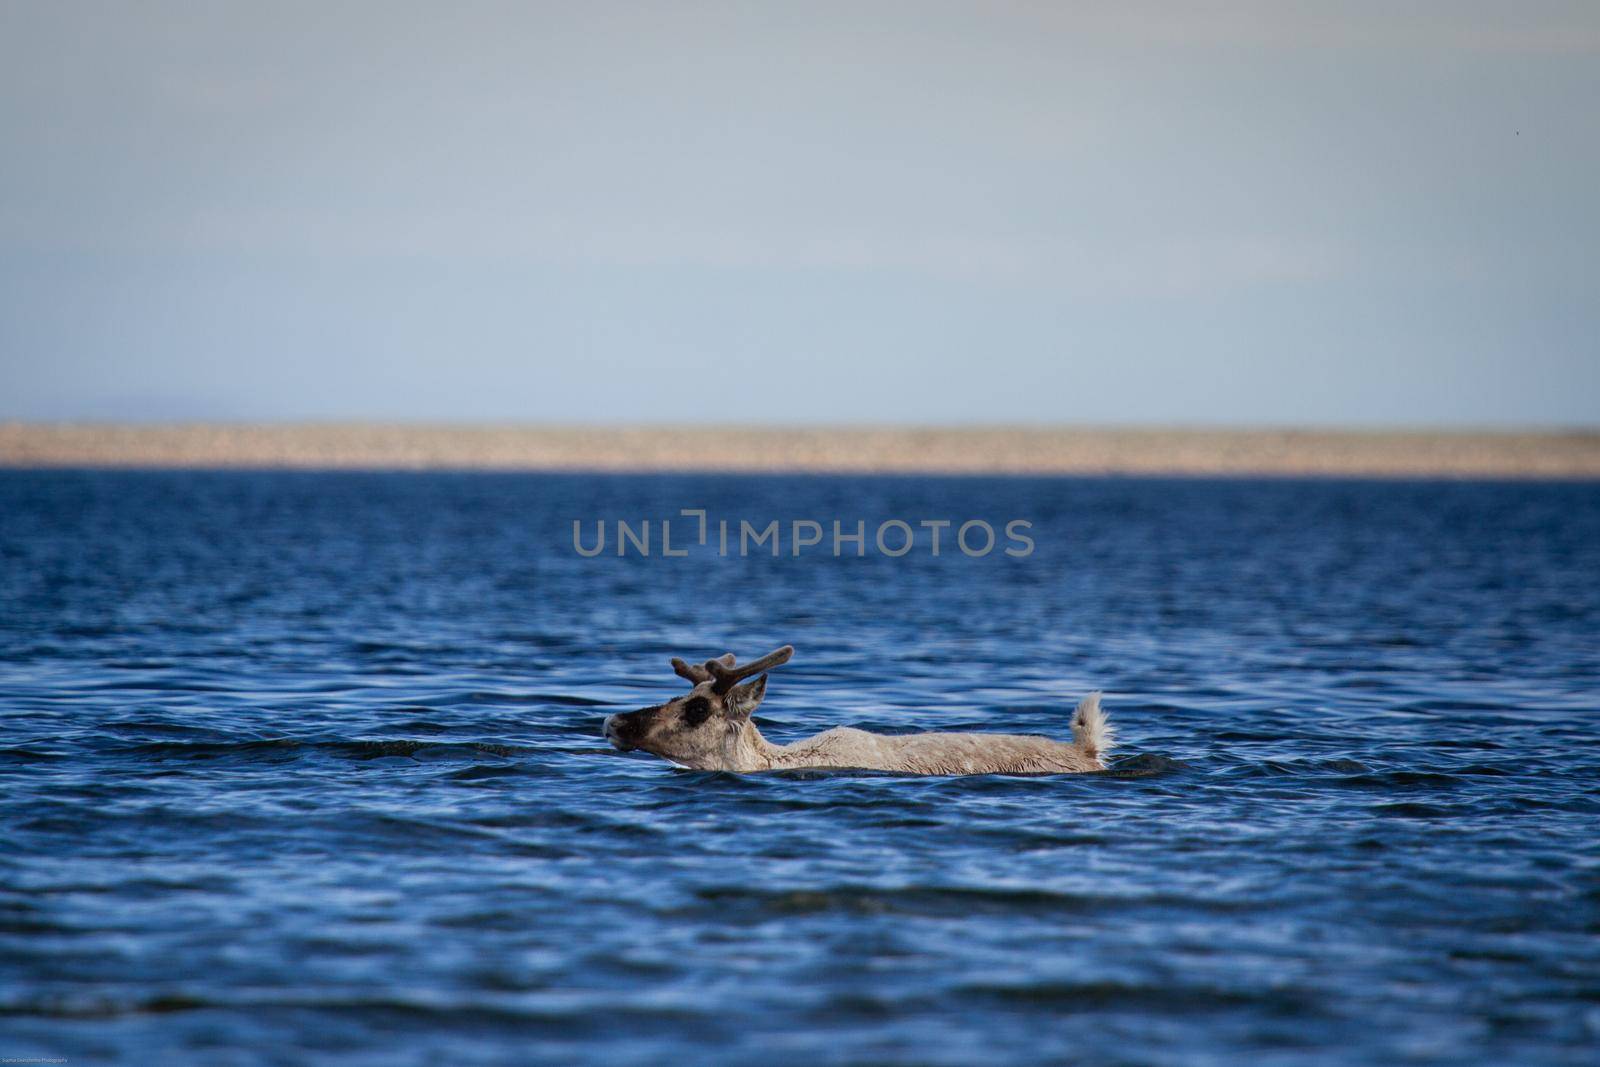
859 449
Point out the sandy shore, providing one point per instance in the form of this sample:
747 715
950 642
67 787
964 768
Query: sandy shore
976 450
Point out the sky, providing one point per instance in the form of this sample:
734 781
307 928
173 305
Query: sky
1256 214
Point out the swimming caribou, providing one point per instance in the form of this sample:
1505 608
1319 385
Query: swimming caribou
709 729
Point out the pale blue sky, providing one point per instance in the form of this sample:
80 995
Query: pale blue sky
1253 213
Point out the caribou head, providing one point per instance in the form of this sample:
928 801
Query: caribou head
708 728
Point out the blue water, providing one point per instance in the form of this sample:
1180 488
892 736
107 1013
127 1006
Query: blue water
306 768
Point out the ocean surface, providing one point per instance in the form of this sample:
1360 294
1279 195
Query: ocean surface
302 768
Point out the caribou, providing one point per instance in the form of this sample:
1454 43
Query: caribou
709 729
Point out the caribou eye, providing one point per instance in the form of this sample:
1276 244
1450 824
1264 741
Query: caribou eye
696 711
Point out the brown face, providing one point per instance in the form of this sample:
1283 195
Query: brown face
697 730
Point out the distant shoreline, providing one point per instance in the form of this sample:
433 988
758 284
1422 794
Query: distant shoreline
976 450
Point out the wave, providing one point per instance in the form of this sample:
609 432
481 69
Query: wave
277 748
954 901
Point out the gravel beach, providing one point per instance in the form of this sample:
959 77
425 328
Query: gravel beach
1399 454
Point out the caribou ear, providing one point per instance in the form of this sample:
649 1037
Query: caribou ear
743 699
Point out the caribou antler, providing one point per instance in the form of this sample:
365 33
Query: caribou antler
727 674
695 673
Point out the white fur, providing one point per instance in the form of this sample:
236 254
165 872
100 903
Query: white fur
1091 729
